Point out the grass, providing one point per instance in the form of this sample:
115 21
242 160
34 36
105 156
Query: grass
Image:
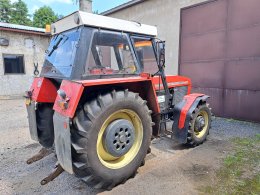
240 173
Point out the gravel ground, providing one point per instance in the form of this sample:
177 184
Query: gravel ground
169 169
225 129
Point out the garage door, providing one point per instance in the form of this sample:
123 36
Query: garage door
220 52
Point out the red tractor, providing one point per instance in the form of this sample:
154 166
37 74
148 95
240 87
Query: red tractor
103 95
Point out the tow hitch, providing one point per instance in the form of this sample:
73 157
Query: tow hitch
57 171
40 155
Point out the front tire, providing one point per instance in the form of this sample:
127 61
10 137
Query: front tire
110 138
199 125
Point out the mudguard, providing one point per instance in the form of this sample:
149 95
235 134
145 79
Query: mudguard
32 120
63 141
182 115
43 90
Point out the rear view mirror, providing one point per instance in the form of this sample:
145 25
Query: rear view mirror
160 48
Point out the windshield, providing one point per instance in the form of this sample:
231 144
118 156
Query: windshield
61 53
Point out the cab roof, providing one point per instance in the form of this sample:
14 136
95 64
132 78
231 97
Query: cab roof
80 18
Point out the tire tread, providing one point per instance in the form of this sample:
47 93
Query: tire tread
91 113
190 136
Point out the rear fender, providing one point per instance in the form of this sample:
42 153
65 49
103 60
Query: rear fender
76 92
182 115
81 91
43 90
144 88
73 92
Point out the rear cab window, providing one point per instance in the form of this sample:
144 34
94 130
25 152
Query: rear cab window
110 53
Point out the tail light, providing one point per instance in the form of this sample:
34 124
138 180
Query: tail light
62 94
28 94
64 100
28 97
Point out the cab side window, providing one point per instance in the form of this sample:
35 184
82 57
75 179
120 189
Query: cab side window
145 55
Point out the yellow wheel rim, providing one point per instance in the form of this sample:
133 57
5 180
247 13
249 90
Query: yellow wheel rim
201 133
118 162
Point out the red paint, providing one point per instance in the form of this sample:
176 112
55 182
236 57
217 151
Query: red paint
145 75
97 71
173 81
73 92
65 125
183 81
43 90
135 84
153 99
112 81
189 100
143 84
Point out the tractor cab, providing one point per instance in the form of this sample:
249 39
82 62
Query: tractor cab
95 48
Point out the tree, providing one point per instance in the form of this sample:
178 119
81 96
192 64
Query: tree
44 15
19 13
5 10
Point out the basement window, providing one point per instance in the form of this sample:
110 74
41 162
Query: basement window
13 64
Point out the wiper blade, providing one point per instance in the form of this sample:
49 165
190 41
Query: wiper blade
55 46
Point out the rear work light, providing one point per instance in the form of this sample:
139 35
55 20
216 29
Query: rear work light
64 100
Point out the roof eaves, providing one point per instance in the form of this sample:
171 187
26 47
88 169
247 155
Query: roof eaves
121 7
24 31
21 27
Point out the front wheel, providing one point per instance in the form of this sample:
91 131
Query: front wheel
110 138
199 125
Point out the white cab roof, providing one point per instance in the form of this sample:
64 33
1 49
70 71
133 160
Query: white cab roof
83 18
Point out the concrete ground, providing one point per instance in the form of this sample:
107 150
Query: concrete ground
169 169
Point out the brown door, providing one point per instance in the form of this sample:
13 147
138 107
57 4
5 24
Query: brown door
220 52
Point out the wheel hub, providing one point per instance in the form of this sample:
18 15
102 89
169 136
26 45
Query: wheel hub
119 137
200 123
122 139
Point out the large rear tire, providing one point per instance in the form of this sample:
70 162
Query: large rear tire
45 129
110 138
199 125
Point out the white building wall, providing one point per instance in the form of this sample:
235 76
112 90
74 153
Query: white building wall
21 43
165 14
